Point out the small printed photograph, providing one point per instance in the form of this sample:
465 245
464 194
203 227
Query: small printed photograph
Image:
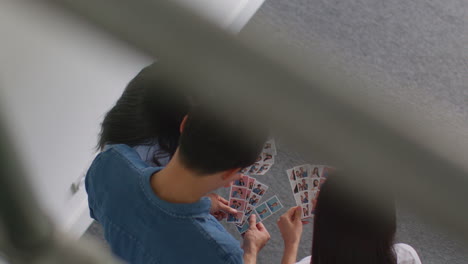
245 170
250 183
237 204
244 220
259 188
306 210
259 158
254 199
303 184
239 192
304 197
242 182
268 158
263 211
274 204
247 196
270 147
235 218
244 225
295 187
243 228
253 169
291 175
315 184
316 171
301 171
263 169
248 210
297 198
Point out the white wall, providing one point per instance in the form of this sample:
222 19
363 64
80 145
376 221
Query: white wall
58 77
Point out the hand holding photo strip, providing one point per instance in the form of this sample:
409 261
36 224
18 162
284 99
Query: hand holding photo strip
262 212
242 228
306 181
237 199
235 218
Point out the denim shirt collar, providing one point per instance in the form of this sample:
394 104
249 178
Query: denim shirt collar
200 208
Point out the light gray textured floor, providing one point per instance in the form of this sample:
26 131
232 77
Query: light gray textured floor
417 48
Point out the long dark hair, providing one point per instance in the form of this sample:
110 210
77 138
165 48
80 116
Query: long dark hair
148 112
350 230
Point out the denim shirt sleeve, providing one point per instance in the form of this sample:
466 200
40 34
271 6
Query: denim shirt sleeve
140 227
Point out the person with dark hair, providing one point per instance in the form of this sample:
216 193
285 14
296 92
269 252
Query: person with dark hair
305 186
235 204
315 184
293 175
306 198
315 172
147 117
146 210
257 189
347 230
240 182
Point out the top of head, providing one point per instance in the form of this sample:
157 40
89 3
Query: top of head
212 141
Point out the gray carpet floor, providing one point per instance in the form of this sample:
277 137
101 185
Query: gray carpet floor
418 48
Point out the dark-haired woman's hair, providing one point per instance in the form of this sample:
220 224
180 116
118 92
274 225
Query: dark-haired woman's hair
149 112
352 230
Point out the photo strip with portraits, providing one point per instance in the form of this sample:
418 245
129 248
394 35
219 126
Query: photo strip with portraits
306 181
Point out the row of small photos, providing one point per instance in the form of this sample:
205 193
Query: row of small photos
264 161
245 195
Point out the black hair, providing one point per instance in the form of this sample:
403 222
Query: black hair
148 112
350 230
212 142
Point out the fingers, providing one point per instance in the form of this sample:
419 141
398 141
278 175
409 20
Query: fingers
291 211
297 213
252 220
222 200
289 215
261 227
227 209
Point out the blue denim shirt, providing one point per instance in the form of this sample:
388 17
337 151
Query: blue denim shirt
140 227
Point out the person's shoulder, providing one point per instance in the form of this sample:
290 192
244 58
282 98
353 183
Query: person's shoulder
120 155
406 254
116 166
